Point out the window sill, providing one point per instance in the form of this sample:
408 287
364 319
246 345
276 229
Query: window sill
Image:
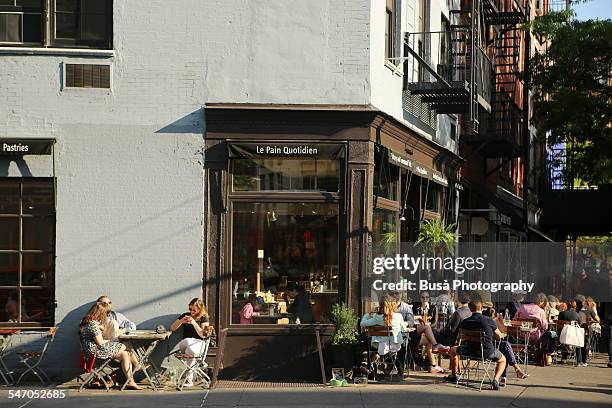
395 70
81 52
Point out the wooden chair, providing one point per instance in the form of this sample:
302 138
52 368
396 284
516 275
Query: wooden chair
32 359
475 339
195 364
391 356
97 368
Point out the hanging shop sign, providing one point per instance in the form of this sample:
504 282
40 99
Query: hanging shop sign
439 178
22 147
399 160
285 150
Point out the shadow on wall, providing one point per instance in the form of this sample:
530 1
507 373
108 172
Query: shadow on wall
191 123
22 166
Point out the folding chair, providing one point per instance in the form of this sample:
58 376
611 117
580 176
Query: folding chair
391 356
97 368
5 343
532 324
195 364
32 359
519 342
475 338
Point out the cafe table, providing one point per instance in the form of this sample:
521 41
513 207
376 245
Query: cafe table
144 342
5 343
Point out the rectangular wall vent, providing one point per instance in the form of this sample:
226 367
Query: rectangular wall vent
87 76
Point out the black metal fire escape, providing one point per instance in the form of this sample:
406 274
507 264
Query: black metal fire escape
505 128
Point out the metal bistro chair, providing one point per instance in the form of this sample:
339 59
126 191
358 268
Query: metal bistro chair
195 364
391 356
32 359
5 343
97 368
519 342
475 338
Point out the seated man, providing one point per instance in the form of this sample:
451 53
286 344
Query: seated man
448 335
480 323
117 323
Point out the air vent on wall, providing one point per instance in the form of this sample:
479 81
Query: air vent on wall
87 76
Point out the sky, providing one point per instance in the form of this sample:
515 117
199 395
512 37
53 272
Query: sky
594 9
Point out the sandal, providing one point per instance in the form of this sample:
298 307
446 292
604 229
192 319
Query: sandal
502 382
133 386
521 375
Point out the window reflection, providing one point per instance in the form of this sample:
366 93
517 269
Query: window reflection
286 175
278 247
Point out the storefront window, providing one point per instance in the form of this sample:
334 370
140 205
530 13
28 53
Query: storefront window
432 202
386 177
384 231
27 241
281 174
284 262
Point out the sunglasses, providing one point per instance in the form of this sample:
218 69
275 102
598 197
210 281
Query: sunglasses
107 303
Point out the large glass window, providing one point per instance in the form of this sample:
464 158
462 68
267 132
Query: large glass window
432 200
27 248
281 249
280 174
73 23
386 178
384 231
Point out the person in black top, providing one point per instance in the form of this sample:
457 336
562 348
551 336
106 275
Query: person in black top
607 333
195 329
478 322
301 307
572 315
448 335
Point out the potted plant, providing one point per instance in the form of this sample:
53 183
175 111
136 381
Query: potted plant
437 237
344 339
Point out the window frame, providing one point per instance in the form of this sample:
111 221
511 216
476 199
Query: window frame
20 251
390 29
74 43
48 28
21 10
281 196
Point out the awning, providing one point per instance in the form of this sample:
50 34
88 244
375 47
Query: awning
22 147
315 150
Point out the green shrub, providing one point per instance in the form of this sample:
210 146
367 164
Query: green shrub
345 322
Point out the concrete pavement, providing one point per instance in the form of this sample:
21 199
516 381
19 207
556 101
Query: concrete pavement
548 387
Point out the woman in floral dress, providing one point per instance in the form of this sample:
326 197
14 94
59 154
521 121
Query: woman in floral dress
92 343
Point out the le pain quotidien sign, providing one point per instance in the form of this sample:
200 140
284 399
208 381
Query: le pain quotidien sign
22 147
285 150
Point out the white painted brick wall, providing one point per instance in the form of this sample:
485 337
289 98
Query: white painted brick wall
129 160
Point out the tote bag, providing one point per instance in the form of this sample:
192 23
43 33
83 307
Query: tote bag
572 335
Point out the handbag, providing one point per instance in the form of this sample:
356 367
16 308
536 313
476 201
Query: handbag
572 335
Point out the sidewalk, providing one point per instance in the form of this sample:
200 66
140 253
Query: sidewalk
548 387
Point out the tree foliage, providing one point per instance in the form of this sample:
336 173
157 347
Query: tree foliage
572 94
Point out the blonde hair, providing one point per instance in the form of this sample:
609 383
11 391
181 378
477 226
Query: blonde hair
197 302
387 307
